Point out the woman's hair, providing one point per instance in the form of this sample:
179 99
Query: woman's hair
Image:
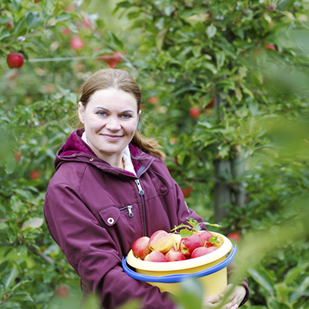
122 80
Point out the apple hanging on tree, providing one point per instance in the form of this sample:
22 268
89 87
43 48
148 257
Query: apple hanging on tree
76 43
15 60
195 111
112 60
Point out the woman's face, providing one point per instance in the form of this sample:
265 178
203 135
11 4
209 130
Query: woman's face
110 119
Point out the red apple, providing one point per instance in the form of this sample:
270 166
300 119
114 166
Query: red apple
37 1
35 174
62 291
187 191
204 236
234 236
270 46
174 255
188 244
112 60
155 256
66 31
160 241
140 247
15 60
202 251
153 100
76 43
210 103
17 156
87 23
195 111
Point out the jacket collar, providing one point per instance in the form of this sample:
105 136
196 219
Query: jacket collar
76 150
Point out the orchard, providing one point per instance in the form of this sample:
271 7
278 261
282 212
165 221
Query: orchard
225 92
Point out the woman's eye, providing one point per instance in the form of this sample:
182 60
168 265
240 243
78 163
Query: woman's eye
126 116
101 113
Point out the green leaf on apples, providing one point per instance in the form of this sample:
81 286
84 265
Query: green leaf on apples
211 224
214 240
185 233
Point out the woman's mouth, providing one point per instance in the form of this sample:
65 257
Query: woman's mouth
112 137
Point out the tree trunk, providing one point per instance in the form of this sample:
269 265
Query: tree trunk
237 165
222 191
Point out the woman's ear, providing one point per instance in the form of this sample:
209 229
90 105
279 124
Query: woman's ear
81 111
139 113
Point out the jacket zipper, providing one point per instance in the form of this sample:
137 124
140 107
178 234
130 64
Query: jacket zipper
129 209
141 193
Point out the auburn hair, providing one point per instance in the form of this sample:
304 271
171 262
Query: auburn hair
122 80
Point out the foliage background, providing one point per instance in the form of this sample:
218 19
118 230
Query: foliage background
249 57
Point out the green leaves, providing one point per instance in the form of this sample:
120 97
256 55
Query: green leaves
160 38
211 31
263 278
33 19
9 278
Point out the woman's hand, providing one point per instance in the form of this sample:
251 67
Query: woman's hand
232 302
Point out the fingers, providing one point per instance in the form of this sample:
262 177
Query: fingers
213 298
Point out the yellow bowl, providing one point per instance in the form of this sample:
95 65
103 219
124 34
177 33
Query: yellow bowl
214 284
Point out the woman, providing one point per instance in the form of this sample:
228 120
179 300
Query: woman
111 187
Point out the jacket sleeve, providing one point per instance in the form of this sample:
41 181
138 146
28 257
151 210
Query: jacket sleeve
183 211
92 253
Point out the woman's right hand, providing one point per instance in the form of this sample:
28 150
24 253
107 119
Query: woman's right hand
214 302
210 301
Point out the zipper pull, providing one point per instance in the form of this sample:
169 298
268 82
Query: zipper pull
139 187
130 211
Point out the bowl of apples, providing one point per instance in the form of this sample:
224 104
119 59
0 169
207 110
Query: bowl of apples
166 259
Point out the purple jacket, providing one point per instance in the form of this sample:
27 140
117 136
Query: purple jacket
95 212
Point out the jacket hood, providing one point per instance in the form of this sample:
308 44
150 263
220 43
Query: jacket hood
76 150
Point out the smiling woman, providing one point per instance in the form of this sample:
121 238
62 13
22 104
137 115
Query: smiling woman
110 188
110 119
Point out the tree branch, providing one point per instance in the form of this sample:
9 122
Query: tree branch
157 9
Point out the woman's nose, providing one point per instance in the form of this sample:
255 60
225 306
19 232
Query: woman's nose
113 123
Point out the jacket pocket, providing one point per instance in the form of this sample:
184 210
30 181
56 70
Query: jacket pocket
123 224
110 215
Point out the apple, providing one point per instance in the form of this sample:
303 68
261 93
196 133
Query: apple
155 256
62 291
66 31
173 140
160 241
204 236
76 43
270 46
195 111
10 25
210 104
187 191
234 236
200 251
174 255
140 247
87 23
37 1
112 60
17 156
188 244
153 100
35 174
15 60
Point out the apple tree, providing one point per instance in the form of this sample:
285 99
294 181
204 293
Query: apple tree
226 84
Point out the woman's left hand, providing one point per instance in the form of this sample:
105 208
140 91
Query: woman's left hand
235 298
